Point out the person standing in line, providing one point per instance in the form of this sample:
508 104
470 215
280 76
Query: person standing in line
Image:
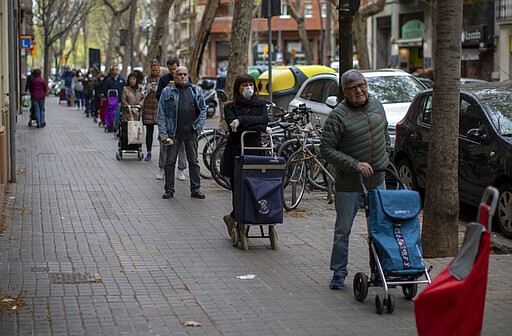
116 82
67 76
99 94
132 95
78 87
355 140
166 80
150 104
181 117
246 112
88 82
38 90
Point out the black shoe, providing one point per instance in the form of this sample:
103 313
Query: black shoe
168 194
198 194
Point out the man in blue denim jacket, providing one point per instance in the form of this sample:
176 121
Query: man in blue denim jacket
181 117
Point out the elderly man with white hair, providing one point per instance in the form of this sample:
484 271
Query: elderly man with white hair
181 117
355 140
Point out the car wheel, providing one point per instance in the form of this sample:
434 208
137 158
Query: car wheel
504 210
407 175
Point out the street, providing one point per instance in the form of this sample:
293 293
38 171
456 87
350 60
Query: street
93 249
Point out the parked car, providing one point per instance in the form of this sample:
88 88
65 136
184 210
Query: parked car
485 145
286 81
394 88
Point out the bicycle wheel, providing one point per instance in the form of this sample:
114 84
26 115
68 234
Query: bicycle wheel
294 180
203 146
288 147
317 178
216 162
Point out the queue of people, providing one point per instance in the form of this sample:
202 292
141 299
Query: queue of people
178 108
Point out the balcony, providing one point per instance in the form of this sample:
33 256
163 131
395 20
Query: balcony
504 11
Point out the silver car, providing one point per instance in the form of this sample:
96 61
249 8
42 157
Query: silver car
394 88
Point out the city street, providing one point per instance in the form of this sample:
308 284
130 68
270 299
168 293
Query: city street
91 248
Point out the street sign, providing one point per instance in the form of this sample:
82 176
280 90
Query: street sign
25 41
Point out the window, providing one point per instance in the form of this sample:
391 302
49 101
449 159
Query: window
308 10
426 111
284 9
469 116
331 89
323 9
313 91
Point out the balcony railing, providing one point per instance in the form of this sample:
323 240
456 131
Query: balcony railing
503 11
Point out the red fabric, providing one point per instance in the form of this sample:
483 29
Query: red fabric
452 307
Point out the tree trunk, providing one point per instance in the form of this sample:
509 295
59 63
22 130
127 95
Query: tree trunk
240 35
440 237
296 14
202 38
155 46
360 33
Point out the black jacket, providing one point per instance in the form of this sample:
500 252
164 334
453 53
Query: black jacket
252 116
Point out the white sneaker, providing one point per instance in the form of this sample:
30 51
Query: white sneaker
181 175
160 175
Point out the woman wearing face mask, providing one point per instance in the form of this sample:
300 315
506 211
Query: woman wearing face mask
246 112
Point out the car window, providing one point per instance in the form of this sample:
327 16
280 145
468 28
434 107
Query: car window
331 89
312 90
499 106
470 116
394 89
426 110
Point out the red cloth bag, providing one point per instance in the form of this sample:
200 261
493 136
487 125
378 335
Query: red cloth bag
456 307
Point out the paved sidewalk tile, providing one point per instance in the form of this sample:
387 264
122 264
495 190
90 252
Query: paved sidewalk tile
93 249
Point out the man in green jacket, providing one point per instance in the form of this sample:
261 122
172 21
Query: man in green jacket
355 140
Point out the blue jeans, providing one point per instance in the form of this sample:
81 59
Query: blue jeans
39 110
347 204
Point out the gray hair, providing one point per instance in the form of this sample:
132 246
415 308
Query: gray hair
181 68
350 76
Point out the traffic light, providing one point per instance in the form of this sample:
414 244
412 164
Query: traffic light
349 7
275 8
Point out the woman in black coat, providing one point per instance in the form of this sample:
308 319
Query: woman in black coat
246 112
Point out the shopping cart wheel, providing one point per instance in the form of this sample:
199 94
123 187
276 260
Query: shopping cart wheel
379 304
390 304
234 237
410 291
272 233
360 286
242 230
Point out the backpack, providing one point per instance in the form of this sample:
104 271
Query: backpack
79 87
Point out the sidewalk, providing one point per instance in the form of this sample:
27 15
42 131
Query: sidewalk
93 249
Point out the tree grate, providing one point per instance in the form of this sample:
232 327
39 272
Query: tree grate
74 278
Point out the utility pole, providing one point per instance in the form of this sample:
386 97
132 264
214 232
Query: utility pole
132 19
346 11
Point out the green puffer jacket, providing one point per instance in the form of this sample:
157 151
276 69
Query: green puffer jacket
353 134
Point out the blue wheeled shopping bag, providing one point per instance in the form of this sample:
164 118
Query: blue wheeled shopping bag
259 189
395 229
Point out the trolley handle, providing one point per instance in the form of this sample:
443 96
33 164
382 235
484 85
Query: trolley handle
270 148
377 170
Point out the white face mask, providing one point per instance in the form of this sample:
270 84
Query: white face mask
248 92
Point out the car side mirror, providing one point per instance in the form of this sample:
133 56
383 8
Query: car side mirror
331 101
478 135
